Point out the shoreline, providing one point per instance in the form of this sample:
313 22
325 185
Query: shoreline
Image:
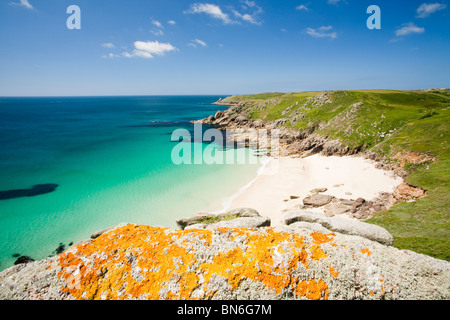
227 201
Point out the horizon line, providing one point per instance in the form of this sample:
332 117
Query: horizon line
210 94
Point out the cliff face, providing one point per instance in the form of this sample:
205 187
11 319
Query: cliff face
286 262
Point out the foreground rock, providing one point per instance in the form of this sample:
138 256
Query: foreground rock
251 222
208 218
287 262
342 225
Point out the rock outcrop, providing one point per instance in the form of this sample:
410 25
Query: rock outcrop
286 262
317 200
292 142
208 218
406 192
344 226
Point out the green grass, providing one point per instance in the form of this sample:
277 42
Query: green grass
388 122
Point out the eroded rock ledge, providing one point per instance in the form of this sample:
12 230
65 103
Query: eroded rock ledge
302 260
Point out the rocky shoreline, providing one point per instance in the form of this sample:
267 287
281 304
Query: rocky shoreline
294 143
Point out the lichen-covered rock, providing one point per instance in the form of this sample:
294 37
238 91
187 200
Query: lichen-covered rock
36 280
286 262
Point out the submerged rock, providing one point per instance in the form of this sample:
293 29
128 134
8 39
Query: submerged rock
31 192
23 259
60 248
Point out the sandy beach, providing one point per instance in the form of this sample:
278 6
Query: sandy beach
347 177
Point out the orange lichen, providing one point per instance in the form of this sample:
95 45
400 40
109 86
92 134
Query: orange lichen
260 249
333 273
320 238
317 252
156 263
366 251
312 289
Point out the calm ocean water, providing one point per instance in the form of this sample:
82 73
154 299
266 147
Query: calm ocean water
101 161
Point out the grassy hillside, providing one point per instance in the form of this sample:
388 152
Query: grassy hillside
386 122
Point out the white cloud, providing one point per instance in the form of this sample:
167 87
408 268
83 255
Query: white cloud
302 7
196 42
159 28
157 32
426 9
333 1
246 17
111 56
157 24
251 16
108 45
253 10
321 32
211 10
23 3
147 49
409 28
171 22
249 4
200 42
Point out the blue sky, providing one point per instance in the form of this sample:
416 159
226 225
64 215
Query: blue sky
146 47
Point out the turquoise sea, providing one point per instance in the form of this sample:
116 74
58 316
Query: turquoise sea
97 162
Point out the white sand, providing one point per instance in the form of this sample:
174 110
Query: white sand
285 177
